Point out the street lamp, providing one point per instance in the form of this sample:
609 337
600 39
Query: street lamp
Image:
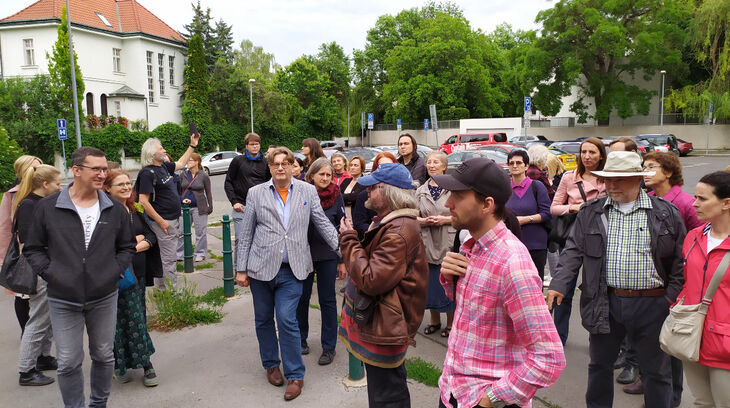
250 89
661 111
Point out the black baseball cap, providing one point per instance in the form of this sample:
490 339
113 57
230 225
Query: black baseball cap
480 174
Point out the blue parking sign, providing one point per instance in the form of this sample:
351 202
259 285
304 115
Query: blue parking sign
425 124
528 103
62 134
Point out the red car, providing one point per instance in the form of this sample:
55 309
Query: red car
684 147
470 141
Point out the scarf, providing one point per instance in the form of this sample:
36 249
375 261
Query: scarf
252 158
328 195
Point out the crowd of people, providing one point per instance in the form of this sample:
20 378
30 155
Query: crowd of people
473 244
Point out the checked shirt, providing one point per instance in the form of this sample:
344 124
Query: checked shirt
629 262
503 335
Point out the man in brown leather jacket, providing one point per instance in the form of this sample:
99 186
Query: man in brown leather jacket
389 270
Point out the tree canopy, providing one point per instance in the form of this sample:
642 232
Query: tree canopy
59 70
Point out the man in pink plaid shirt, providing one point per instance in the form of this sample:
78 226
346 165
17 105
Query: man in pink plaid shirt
503 345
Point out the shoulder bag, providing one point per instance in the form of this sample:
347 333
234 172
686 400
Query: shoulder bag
681 334
17 274
560 225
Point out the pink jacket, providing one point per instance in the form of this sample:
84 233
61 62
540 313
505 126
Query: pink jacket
683 202
698 270
6 221
568 190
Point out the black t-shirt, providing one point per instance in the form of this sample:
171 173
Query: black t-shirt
24 215
167 197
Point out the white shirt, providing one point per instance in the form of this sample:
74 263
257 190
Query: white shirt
713 242
89 218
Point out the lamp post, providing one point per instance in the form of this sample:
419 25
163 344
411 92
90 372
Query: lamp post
250 89
661 109
73 78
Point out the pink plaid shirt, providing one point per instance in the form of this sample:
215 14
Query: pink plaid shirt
503 334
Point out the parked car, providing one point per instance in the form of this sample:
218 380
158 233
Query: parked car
466 141
568 159
504 148
570 147
456 158
422 150
367 153
667 140
646 146
331 144
217 162
684 147
525 139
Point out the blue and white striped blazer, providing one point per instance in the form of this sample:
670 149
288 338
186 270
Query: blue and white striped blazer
260 248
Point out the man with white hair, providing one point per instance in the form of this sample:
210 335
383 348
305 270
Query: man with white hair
629 245
159 196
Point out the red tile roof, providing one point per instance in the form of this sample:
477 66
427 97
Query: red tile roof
132 16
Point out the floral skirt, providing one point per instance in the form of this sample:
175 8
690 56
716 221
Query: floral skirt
132 343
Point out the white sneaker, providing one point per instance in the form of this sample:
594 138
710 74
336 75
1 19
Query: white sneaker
199 258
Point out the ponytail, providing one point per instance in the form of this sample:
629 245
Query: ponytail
32 179
25 187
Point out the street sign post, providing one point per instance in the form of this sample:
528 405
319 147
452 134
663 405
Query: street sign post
62 136
362 128
707 130
425 124
434 122
371 126
528 103
398 125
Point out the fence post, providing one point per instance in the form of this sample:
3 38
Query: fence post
227 258
187 240
356 368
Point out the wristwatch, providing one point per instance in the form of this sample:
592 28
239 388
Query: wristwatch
496 402
532 218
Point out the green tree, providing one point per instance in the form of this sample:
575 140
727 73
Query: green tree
9 152
599 46
59 70
252 60
315 112
332 61
196 106
513 81
222 41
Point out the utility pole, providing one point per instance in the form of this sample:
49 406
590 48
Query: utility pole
73 78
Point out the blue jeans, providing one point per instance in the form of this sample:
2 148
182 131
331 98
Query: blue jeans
68 321
280 295
561 312
326 272
640 320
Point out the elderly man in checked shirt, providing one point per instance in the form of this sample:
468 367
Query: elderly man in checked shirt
503 345
630 247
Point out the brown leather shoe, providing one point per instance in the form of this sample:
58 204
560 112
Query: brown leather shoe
274 376
636 387
293 389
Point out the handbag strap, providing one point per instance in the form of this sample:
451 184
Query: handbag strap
716 278
191 183
582 192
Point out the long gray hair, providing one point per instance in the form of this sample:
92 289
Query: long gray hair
149 148
399 198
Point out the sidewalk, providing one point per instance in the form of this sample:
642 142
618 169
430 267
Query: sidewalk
218 365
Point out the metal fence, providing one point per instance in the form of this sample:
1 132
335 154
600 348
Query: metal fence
443 124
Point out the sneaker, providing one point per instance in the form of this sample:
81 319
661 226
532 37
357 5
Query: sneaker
327 357
45 363
199 258
121 378
150 378
305 347
34 378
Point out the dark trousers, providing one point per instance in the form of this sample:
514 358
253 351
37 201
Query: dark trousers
677 369
455 404
639 318
387 387
561 312
22 312
326 272
539 258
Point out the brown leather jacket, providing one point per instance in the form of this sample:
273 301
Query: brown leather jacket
390 264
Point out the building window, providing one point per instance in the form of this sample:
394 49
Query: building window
90 103
117 59
150 79
171 60
161 72
118 108
104 111
28 51
103 19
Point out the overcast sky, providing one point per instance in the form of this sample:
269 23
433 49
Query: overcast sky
291 28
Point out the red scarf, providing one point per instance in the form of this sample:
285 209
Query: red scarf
328 195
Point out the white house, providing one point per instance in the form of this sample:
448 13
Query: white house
131 61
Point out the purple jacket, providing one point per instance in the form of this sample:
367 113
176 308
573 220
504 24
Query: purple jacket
536 201
683 202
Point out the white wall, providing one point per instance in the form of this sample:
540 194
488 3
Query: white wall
94 50
511 126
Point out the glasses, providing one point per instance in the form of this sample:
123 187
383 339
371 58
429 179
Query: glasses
516 163
254 144
283 165
96 170
123 184
652 166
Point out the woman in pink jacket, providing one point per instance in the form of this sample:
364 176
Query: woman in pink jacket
568 199
703 249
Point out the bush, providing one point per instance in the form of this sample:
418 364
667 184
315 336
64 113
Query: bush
176 309
9 152
453 113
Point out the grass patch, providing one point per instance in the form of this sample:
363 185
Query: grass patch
313 306
214 256
423 371
175 309
215 224
206 265
216 296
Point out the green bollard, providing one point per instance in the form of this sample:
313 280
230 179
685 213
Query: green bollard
228 279
187 240
356 369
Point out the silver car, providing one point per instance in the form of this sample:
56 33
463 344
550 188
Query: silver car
218 162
